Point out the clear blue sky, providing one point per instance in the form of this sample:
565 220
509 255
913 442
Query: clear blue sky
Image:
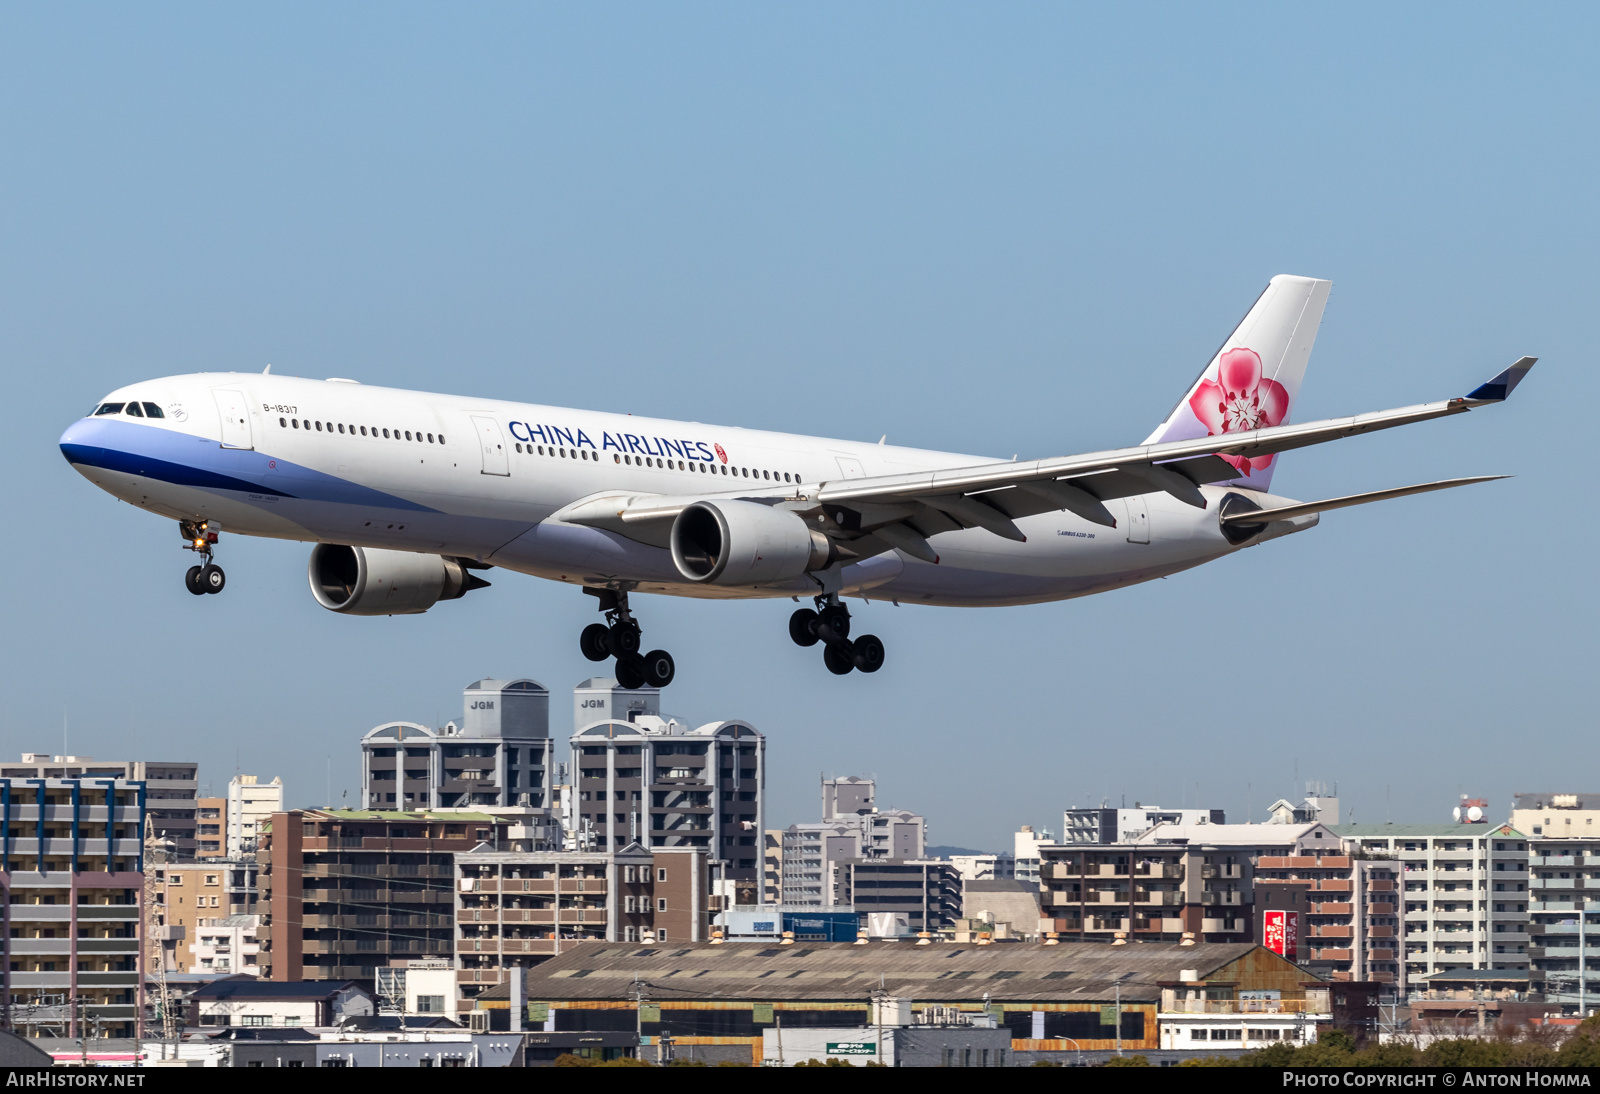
998 229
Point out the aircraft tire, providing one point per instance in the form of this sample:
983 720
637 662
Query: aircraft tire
869 653
833 623
803 627
595 641
212 579
191 581
630 671
840 657
624 639
659 668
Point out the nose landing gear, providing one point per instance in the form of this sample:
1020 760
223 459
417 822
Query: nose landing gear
620 637
830 623
200 536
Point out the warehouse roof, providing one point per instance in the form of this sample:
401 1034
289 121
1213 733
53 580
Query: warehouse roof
844 971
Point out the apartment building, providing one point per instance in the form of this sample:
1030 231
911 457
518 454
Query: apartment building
499 755
518 909
1351 929
170 789
659 783
915 896
344 891
1106 825
250 802
74 862
1175 879
211 828
1025 851
1563 895
226 946
852 827
186 894
1465 893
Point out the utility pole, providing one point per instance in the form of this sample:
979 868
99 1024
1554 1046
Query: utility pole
1119 1019
155 852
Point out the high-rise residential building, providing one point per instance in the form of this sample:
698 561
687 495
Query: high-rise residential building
170 793
1465 895
74 863
250 803
1106 824
211 828
658 782
343 891
1350 927
499 755
1563 895
602 699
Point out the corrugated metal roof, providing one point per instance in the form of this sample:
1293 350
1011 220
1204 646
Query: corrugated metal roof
1423 831
843 971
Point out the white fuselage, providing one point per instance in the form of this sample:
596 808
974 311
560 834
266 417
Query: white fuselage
481 478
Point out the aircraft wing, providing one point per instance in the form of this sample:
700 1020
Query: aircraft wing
993 495
901 511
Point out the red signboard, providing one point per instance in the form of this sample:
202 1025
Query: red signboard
1280 932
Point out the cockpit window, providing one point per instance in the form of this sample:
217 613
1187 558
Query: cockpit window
152 411
133 409
109 408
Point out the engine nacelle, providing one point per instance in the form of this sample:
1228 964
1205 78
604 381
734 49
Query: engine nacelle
745 543
364 581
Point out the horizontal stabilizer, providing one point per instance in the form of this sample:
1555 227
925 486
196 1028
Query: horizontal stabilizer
1289 512
1500 388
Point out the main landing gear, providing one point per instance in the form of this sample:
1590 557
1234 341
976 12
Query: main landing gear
830 623
619 637
207 577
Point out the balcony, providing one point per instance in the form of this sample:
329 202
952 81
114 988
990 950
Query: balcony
1552 883
1554 860
1382 955
1245 1006
1333 955
1211 896
1380 885
1331 931
1162 899
1109 896
1225 870
1166 870
1380 932
1333 885
1333 907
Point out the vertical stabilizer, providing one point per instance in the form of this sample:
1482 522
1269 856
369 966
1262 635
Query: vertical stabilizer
1254 378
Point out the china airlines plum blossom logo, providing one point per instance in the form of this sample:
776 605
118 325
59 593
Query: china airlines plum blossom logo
1240 399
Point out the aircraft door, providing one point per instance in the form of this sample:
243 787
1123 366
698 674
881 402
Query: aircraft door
496 461
233 410
1138 519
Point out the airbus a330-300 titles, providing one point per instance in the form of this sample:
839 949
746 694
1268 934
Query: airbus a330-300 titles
409 496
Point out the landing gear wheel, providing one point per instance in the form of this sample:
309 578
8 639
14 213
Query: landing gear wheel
803 627
869 653
658 668
624 640
595 641
840 657
833 622
212 579
630 671
191 581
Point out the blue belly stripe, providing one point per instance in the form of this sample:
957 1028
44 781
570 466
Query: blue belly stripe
132 463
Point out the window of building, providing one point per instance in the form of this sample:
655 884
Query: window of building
661 875
661 904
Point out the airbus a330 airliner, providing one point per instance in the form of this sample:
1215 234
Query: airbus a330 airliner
409 495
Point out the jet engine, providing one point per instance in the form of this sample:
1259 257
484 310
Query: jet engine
745 543
364 581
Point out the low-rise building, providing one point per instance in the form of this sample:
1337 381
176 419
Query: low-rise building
245 1001
1055 1001
186 894
226 946
1000 867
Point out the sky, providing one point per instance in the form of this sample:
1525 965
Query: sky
995 229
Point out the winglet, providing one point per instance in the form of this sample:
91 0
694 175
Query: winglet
1500 388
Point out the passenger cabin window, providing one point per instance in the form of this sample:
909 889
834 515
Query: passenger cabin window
109 408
